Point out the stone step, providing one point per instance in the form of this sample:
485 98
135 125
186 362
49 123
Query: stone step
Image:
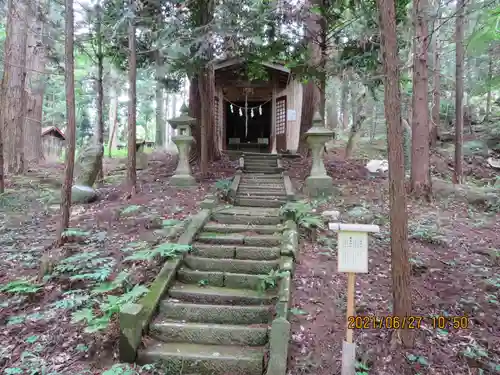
246 219
236 252
257 211
236 228
220 278
259 164
260 155
261 196
187 358
239 239
262 186
256 202
245 266
261 170
221 314
266 176
208 333
219 295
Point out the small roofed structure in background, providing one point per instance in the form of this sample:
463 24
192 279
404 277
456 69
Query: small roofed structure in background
53 141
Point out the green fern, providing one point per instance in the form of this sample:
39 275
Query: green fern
166 250
20 287
110 306
303 214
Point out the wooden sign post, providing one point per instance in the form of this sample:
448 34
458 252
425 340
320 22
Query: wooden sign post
352 259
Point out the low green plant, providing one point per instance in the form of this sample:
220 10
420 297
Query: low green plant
270 281
20 286
303 214
222 188
107 307
361 368
166 250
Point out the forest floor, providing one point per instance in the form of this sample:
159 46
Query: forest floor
455 252
40 331
455 262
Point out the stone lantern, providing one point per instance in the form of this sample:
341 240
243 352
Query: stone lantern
183 141
318 182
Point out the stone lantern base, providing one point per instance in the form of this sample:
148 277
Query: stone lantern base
317 186
182 180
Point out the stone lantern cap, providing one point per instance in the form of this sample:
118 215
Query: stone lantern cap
318 127
184 120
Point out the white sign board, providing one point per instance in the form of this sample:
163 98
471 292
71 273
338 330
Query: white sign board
291 115
353 246
353 252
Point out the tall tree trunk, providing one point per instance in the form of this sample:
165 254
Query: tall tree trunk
100 94
420 166
459 93
344 101
160 122
204 82
490 77
173 110
35 86
69 78
358 118
311 92
132 103
14 77
436 82
113 119
400 264
195 112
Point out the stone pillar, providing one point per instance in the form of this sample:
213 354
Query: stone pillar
183 141
318 182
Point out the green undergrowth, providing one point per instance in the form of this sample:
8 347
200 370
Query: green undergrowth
93 286
222 188
303 213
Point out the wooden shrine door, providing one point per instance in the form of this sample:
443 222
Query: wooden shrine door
281 124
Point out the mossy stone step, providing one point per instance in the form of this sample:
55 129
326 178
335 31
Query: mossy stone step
272 198
219 278
219 295
253 267
202 277
246 219
236 252
221 314
256 211
236 228
239 239
209 333
258 202
269 178
262 186
262 191
186 358
259 164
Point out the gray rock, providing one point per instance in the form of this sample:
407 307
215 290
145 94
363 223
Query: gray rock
87 165
83 194
361 215
331 216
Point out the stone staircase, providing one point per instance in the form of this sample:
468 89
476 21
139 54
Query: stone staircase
261 163
222 309
215 318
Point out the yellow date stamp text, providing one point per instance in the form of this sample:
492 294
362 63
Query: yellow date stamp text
407 322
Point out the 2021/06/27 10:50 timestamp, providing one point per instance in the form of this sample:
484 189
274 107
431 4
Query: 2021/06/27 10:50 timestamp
408 322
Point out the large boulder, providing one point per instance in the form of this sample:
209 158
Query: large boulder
83 194
87 165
